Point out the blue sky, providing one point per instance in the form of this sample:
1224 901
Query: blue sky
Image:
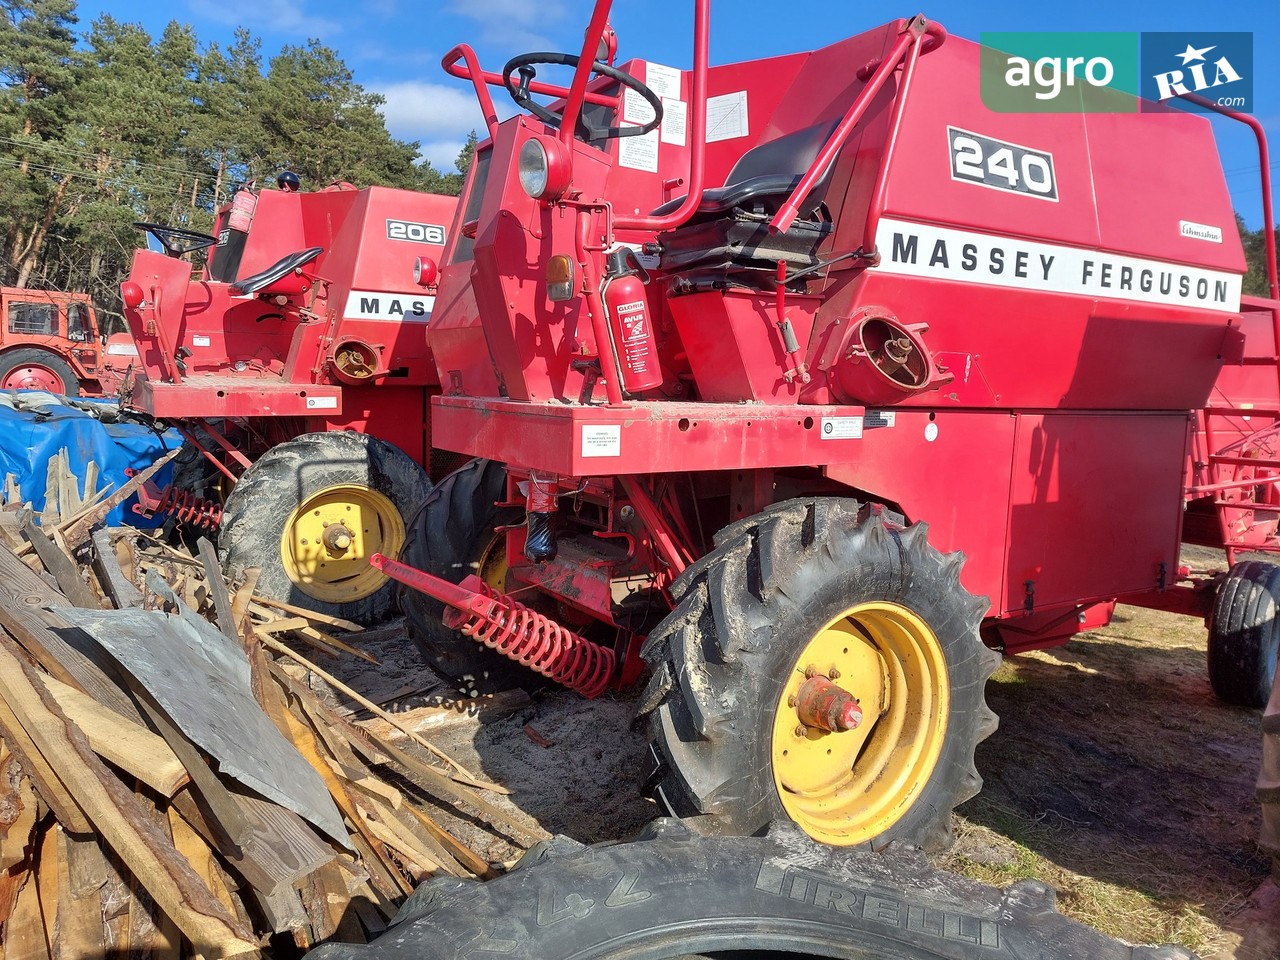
394 46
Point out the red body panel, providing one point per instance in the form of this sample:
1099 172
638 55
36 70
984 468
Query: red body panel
1066 338
207 352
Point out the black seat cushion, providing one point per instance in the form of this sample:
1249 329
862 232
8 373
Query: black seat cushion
768 171
281 268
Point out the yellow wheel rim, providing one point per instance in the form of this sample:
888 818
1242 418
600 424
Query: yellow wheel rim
492 565
329 537
848 787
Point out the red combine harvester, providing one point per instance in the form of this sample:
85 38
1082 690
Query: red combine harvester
296 362
51 341
749 353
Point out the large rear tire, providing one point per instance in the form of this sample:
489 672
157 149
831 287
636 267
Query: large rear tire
1244 634
30 368
310 512
454 534
821 587
672 893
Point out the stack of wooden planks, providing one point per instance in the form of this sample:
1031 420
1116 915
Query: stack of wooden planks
121 834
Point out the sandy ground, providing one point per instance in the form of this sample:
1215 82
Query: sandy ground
1115 777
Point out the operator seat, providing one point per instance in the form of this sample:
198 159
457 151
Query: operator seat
728 237
765 175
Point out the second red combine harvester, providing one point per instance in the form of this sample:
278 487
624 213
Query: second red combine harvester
295 361
747 356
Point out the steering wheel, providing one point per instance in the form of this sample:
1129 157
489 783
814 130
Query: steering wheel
524 64
176 240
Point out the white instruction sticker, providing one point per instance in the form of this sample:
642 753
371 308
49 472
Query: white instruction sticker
639 153
635 108
601 440
727 116
841 428
674 120
662 80
322 403
199 340
879 418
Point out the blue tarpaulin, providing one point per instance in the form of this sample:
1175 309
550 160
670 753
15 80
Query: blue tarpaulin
34 426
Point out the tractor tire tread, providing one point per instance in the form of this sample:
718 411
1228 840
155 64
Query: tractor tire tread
676 892
266 495
717 647
1244 634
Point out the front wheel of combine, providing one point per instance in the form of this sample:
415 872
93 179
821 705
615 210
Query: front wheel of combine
310 512
822 664
454 534
1244 634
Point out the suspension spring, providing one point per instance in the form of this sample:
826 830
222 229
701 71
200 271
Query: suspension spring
188 508
535 640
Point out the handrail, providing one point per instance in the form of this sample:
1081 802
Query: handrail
1264 159
582 73
480 78
915 29
697 132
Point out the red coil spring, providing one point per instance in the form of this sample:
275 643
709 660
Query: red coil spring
536 641
189 509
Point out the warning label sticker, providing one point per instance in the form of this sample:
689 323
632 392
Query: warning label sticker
841 428
601 440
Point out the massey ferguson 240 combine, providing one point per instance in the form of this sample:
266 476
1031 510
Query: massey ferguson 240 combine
296 362
748 356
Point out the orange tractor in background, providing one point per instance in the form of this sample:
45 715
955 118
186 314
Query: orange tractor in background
51 341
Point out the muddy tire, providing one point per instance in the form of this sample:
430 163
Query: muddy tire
673 893
454 534
1244 634
320 481
30 368
730 657
1269 779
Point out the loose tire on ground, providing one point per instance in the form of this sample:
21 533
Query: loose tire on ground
304 489
1269 779
34 369
673 893
1244 634
454 534
781 587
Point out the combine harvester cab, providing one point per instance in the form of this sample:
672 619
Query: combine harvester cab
749 354
296 362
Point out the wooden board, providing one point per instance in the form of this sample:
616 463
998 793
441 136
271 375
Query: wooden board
128 745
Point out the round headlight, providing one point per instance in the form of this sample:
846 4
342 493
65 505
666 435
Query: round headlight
533 168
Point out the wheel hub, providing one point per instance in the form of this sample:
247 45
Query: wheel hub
860 723
823 705
329 537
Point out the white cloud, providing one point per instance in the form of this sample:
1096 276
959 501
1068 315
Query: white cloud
438 115
515 25
284 16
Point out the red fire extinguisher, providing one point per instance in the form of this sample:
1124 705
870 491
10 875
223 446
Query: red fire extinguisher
242 207
630 324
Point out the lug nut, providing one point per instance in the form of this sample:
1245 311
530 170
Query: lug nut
833 674
802 731
792 701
